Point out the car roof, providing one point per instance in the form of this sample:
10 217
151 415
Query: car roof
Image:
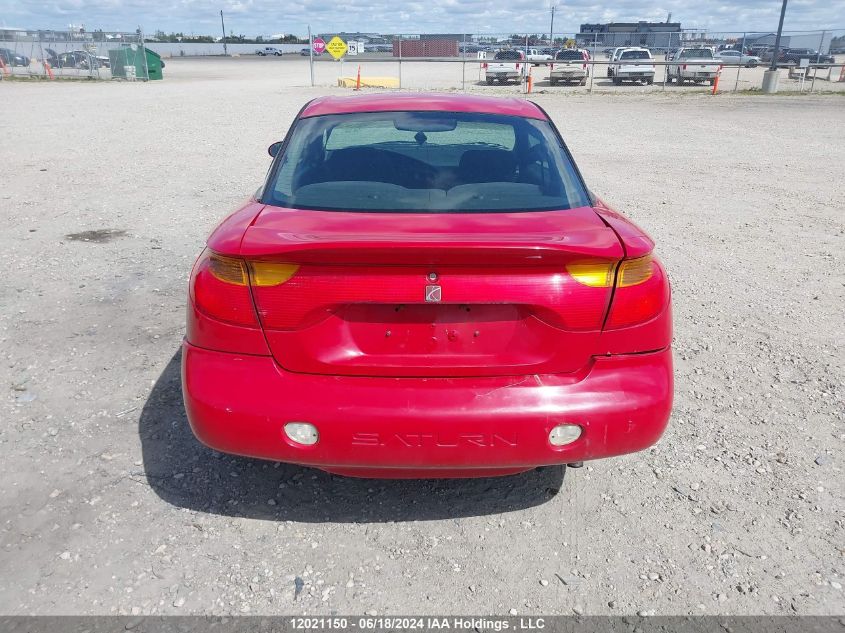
389 102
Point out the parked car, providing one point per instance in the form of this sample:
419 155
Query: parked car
795 55
612 57
11 58
51 57
736 58
569 66
424 286
537 56
634 64
82 60
693 64
268 50
765 53
506 65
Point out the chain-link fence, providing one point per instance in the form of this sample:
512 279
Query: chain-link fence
74 54
807 60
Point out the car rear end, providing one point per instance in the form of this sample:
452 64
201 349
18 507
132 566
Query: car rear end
635 65
695 65
472 339
569 66
507 65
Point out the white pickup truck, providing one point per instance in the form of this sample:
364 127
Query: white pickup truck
570 65
537 57
506 65
633 64
693 64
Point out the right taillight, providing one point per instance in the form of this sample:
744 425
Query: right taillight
641 292
220 289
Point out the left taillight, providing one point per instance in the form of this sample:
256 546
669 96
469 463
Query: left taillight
642 292
220 289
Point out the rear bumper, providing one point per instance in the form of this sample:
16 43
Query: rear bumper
566 73
635 74
426 427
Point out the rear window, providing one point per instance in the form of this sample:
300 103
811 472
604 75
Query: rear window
424 161
508 55
696 53
636 55
573 54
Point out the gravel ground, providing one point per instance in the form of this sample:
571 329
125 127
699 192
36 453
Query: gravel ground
108 504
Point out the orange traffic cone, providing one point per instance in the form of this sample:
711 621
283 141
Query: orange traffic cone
530 80
5 69
716 83
358 81
48 69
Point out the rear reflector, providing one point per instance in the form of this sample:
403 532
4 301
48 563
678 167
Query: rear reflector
302 433
564 434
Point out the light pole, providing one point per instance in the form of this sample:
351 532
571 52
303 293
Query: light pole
552 29
770 77
225 50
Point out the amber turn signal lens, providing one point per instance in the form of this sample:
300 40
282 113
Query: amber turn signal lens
596 274
271 273
635 271
227 269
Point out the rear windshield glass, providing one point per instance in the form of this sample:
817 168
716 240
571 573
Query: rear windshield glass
569 55
511 55
696 53
636 55
424 161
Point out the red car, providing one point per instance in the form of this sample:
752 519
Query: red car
425 287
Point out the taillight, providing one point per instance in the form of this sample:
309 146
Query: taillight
641 289
684 66
220 289
484 65
642 292
518 66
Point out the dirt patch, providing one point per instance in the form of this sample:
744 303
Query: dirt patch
98 236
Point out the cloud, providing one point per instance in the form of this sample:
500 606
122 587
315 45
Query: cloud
256 17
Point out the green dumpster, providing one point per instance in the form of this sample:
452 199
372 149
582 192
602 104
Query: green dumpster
120 58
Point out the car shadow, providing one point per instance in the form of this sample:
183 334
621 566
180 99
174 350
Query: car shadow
186 474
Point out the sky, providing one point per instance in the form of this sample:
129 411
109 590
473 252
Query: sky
266 17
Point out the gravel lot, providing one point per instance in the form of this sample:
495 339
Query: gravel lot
108 504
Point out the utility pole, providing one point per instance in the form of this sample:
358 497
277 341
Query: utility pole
777 38
552 29
222 24
770 77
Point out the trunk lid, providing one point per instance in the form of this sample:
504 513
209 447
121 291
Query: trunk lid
445 294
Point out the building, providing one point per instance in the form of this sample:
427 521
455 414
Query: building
818 41
646 34
458 37
425 48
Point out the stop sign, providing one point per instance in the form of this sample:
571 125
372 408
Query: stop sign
319 45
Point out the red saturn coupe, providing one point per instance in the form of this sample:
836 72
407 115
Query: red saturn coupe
424 286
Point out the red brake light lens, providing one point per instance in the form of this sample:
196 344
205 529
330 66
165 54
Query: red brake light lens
220 288
642 292
641 287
